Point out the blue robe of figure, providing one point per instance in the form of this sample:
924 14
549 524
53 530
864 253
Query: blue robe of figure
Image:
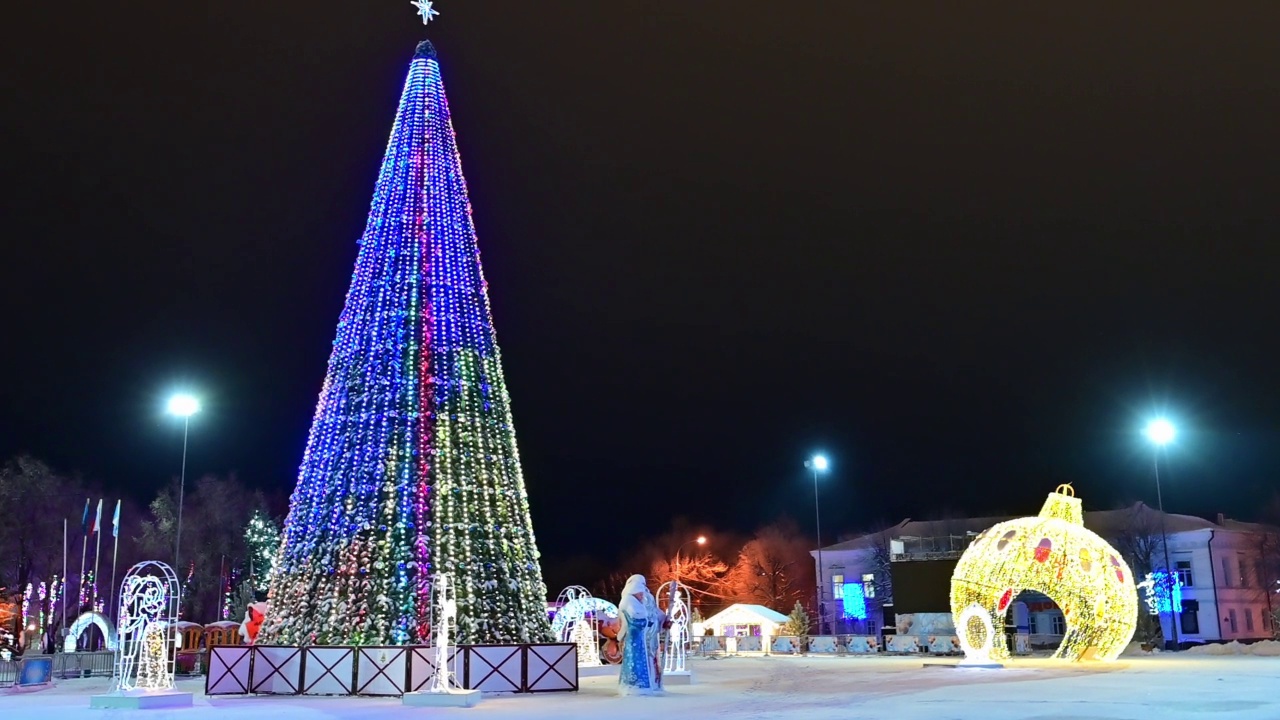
640 623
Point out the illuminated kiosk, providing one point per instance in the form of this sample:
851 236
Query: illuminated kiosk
1053 554
148 642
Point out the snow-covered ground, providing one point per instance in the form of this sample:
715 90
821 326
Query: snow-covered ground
1162 687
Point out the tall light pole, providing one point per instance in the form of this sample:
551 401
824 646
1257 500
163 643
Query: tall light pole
1161 432
675 583
184 406
700 540
817 464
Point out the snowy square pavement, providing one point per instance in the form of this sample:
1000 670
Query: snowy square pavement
1166 687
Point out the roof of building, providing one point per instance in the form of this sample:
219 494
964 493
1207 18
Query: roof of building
1103 522
759 611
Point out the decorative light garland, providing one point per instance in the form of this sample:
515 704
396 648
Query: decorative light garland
1162 592
854 601
1053 554
411 466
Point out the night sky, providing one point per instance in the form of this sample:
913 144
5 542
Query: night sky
966 251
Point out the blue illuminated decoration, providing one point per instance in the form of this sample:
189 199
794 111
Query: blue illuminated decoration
411 466
855 604
1162 592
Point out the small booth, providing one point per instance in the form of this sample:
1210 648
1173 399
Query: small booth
742 620
223 632
191 634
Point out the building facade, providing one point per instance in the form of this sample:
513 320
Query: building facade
1226 571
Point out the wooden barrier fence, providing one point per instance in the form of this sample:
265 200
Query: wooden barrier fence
388 670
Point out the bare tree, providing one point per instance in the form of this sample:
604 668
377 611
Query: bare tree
1138 539
773 569
882 564
675 554
38 500
214 516
1269 561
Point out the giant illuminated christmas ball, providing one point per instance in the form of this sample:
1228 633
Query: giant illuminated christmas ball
1053 554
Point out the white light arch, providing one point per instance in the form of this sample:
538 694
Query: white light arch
82 623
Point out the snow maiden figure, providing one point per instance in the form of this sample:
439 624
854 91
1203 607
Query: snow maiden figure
638 632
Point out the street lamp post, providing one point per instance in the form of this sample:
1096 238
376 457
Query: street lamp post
184 406
700 540
818 463
1161 432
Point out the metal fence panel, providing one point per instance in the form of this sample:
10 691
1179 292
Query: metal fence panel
84 664
422 667
495 668
276 670
551 668
228 670
328 670
382 670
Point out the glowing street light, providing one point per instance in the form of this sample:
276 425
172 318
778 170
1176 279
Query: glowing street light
700 540
1161 432
183 406
817 464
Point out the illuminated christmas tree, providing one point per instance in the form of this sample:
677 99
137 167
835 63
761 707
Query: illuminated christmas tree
411 466
262 538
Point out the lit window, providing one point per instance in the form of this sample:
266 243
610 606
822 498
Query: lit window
868 585
1184 573
837 586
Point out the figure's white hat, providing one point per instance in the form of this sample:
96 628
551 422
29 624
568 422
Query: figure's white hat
635 584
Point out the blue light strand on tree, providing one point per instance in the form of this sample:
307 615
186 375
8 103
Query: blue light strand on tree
411 465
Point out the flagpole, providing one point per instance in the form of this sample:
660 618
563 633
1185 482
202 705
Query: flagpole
97 557
61 646
97 552
115 533
84 550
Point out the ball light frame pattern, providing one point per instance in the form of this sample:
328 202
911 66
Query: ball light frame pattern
1054 554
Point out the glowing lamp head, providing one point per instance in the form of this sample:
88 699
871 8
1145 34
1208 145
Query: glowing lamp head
183 405
819 462
702 539
1160 431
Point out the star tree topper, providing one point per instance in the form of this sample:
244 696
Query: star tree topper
425 10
